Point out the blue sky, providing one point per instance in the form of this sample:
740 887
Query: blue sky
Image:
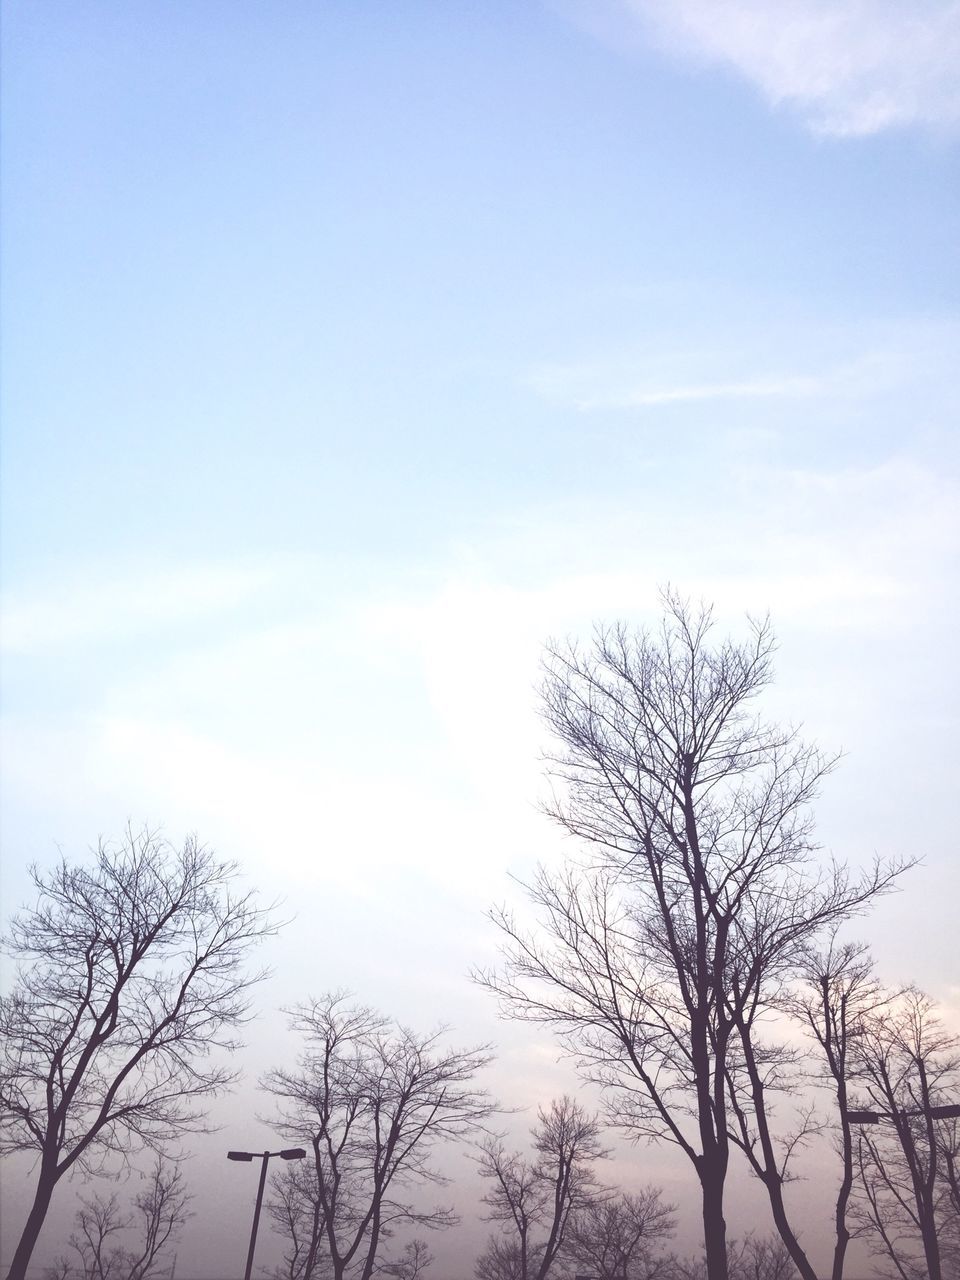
352 350
287 270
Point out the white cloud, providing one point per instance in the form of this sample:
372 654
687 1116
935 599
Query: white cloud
851 67
761 388
375 758
117 604
624 383
789 363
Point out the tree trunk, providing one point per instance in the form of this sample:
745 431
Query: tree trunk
370 1261
781 1222
842 1237
714 1225
767 1169
315 1235
931 1245
31 1231
927 1189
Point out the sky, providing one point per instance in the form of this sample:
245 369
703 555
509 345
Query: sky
350 351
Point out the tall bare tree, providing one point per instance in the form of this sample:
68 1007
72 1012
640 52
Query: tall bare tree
618 1236
908 1066
831 992
699 886
373 1100
535 1198
837 990
131 976
948 1142
159 1213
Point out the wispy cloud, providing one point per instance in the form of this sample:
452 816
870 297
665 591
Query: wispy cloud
759 389
850 67
622 382
790 362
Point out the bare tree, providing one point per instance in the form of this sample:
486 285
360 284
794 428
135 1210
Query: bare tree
765 1258
617 1236
373 1100
131 975
412 1263
838 989
831 992
753 1258
948 1144
658 958
761 1074
909 1066
500 1260
97 1221
540 1195
296 1209
160 1212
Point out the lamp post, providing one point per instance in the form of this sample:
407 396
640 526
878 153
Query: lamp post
291 1153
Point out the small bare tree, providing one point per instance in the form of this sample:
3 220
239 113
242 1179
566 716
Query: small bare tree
131 975
372 1100
767 1258
159 1213
412 1263
618 1236
500 1260
908 1065
540 1195
296 1209
658 958
753 1258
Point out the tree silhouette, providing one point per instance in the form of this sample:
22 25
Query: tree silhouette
908 1065
131 975
159 1213
617 1236
539 1194
372 1100
698 889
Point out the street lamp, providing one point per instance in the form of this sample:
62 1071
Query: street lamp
291 1153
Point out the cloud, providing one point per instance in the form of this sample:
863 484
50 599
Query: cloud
844 368
649 398
850 67
96 606
624 383
374 758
